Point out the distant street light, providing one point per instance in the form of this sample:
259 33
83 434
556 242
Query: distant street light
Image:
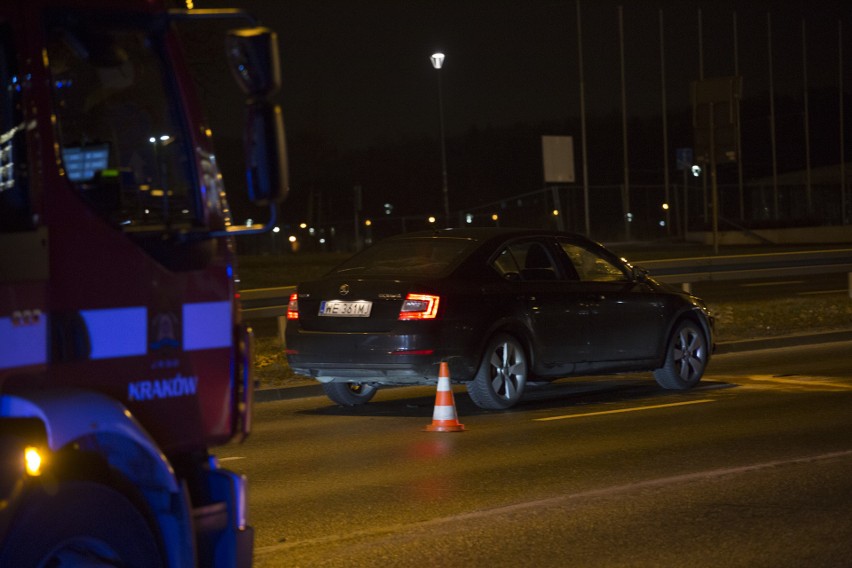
438 62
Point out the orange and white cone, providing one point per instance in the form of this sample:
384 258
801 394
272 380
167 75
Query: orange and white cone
444 418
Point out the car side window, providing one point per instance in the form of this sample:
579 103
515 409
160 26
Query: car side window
590 266
506 265
528 261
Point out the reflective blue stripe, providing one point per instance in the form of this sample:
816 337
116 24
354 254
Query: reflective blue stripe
22 345
117 332
207 325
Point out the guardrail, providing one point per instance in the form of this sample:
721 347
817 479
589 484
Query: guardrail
685 271
272 302
265 302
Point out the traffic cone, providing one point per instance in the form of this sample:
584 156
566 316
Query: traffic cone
444 418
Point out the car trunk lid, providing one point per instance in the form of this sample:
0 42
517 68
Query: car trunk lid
351 305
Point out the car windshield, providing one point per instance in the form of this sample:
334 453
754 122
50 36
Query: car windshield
408 257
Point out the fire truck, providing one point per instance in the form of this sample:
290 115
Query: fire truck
123 357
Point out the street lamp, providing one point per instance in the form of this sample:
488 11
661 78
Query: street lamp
438 62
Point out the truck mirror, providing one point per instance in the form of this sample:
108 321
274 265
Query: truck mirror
266 155
253 59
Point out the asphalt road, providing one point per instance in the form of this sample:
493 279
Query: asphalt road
768 288
751 469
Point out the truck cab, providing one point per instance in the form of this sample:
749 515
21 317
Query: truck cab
123 358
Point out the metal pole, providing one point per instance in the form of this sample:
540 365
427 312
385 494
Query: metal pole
808 188
583 121
445 190
843 205
685 202
437 60
557 206
714 188
772 118
665 126
738 124
626 187
356 194
701 77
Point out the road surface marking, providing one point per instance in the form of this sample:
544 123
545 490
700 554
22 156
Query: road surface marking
234 458
803 383
759 284
620 410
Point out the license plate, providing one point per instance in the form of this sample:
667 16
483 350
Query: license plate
341 308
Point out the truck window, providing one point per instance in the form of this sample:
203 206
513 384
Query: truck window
121 140
15 213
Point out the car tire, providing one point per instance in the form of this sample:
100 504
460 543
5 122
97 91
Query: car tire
80 524
502 375
350 394
687 355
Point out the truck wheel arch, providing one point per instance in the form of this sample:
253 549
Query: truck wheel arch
93 436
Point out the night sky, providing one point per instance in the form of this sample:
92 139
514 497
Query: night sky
360 71
357 75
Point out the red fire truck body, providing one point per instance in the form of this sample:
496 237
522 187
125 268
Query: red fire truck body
123 359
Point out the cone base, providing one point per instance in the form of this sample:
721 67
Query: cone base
440 427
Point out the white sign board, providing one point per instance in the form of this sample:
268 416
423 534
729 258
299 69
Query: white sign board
558 155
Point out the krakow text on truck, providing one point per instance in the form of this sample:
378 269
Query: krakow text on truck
123 358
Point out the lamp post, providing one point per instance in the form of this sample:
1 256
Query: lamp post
438 62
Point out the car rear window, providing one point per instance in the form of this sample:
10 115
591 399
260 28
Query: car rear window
409 257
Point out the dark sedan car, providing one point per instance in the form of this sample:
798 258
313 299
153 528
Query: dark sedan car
501 306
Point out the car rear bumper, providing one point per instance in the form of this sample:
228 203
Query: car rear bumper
375 358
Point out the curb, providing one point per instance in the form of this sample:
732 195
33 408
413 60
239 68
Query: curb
309 390
287 393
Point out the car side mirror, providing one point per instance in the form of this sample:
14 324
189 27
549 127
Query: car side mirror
640 274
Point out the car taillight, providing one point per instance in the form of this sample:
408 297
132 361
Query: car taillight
293 307
419 306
